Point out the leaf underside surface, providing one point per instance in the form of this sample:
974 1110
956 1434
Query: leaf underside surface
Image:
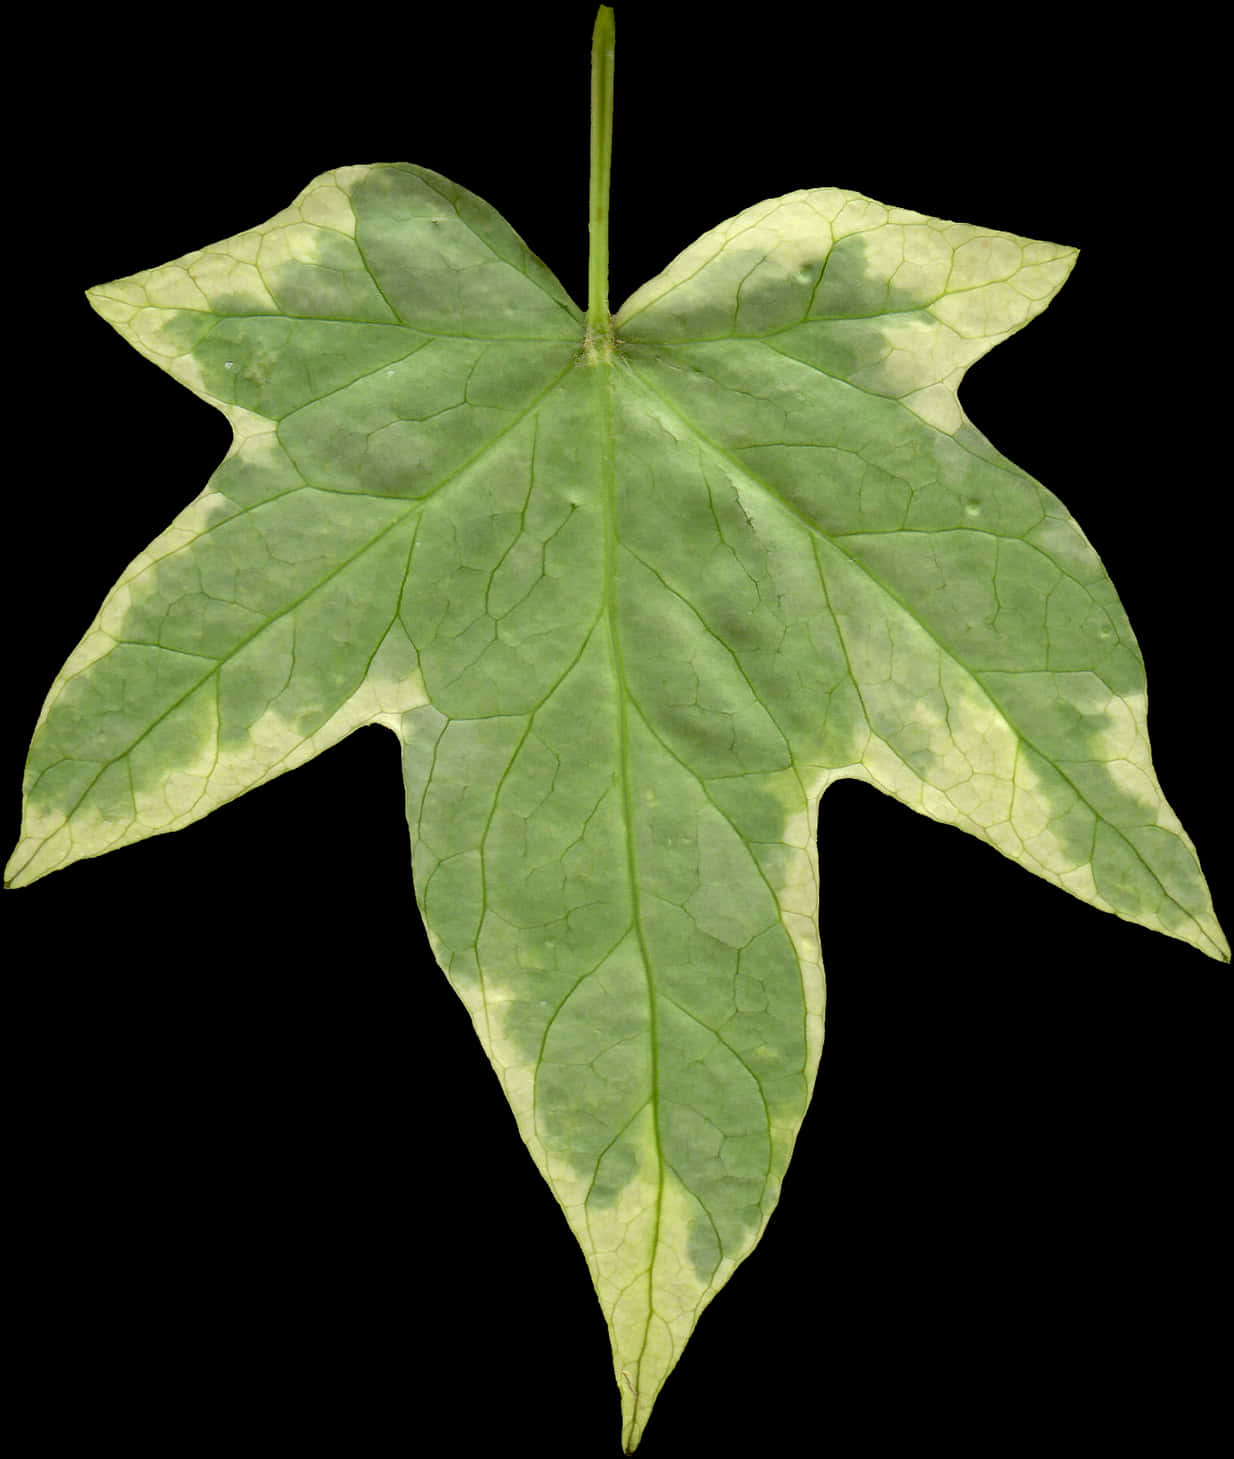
629 615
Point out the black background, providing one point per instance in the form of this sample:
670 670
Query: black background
267 1184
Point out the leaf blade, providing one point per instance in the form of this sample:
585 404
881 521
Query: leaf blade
661 1105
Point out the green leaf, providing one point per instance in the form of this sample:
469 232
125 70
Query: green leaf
628 617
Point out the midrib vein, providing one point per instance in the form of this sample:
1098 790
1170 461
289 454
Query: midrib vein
608 467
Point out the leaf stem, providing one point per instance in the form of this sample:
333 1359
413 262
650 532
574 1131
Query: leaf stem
599 323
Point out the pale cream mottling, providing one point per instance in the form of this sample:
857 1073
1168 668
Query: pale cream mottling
643 1275
188 371
854 213
292 242
234 269
984 258
222 275
1041 281
172 286
185 529
488 1003
974 779
797 893
617 1238
692 260
1027 835
117 302
104 633
193 283
954 290
1079 881
788 247
148 330
186 792
985 314
1031 812
646 1350
94 645
915 353
326 202
1036 817
971 747
924 259
1122 741
799 890
48 841
247 425
937 405
887 249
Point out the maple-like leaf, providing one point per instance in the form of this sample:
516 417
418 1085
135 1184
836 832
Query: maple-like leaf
631 598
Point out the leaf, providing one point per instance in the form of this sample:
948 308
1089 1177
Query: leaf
701 427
